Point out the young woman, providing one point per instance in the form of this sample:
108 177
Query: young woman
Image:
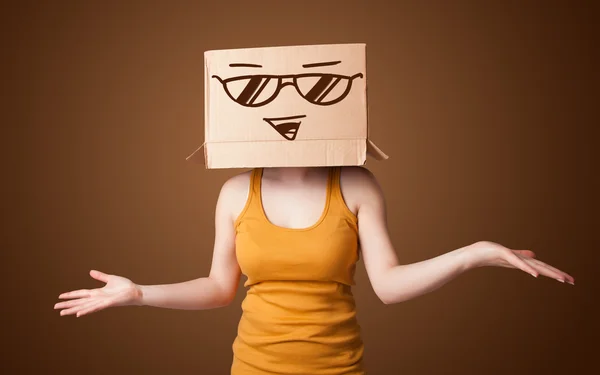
297 233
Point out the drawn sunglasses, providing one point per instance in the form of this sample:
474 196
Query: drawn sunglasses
316 88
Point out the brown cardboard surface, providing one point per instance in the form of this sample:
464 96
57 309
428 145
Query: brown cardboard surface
286 106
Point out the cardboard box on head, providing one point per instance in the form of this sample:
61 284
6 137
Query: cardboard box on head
286 107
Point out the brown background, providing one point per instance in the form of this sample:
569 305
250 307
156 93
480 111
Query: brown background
486 110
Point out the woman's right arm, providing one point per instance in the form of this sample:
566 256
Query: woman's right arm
216 290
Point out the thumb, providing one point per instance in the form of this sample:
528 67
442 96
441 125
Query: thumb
99 275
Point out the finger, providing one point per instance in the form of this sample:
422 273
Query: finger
520 263
546 271
568 278
99 275
527 253
78 307
82 293
92 308
70 303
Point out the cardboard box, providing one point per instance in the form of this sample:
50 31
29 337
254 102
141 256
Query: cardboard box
285 107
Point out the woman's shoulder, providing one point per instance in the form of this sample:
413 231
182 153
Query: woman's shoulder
357 175
234 193
359 185
237 183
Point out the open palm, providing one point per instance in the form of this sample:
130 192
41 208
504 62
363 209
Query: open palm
488 253
118 291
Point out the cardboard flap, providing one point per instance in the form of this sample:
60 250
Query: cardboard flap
375 151
196 155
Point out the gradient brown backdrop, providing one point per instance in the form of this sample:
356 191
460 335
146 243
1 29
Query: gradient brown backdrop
486 110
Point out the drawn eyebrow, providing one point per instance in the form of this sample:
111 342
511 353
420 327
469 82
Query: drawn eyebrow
313 65
239 65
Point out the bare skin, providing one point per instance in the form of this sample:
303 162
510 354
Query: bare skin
294 198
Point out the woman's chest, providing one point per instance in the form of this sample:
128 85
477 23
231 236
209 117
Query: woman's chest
326 252
294 209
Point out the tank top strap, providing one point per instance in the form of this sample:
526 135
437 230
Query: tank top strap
336 187
253 201
335 181
330 194
255 180
337 199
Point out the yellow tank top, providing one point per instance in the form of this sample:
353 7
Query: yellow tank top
299 313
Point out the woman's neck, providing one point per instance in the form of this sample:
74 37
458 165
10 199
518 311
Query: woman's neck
290 173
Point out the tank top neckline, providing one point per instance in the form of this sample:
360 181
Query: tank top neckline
258 183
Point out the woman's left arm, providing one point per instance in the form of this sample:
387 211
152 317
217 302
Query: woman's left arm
395 283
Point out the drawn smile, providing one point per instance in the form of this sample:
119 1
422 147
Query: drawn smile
288 129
